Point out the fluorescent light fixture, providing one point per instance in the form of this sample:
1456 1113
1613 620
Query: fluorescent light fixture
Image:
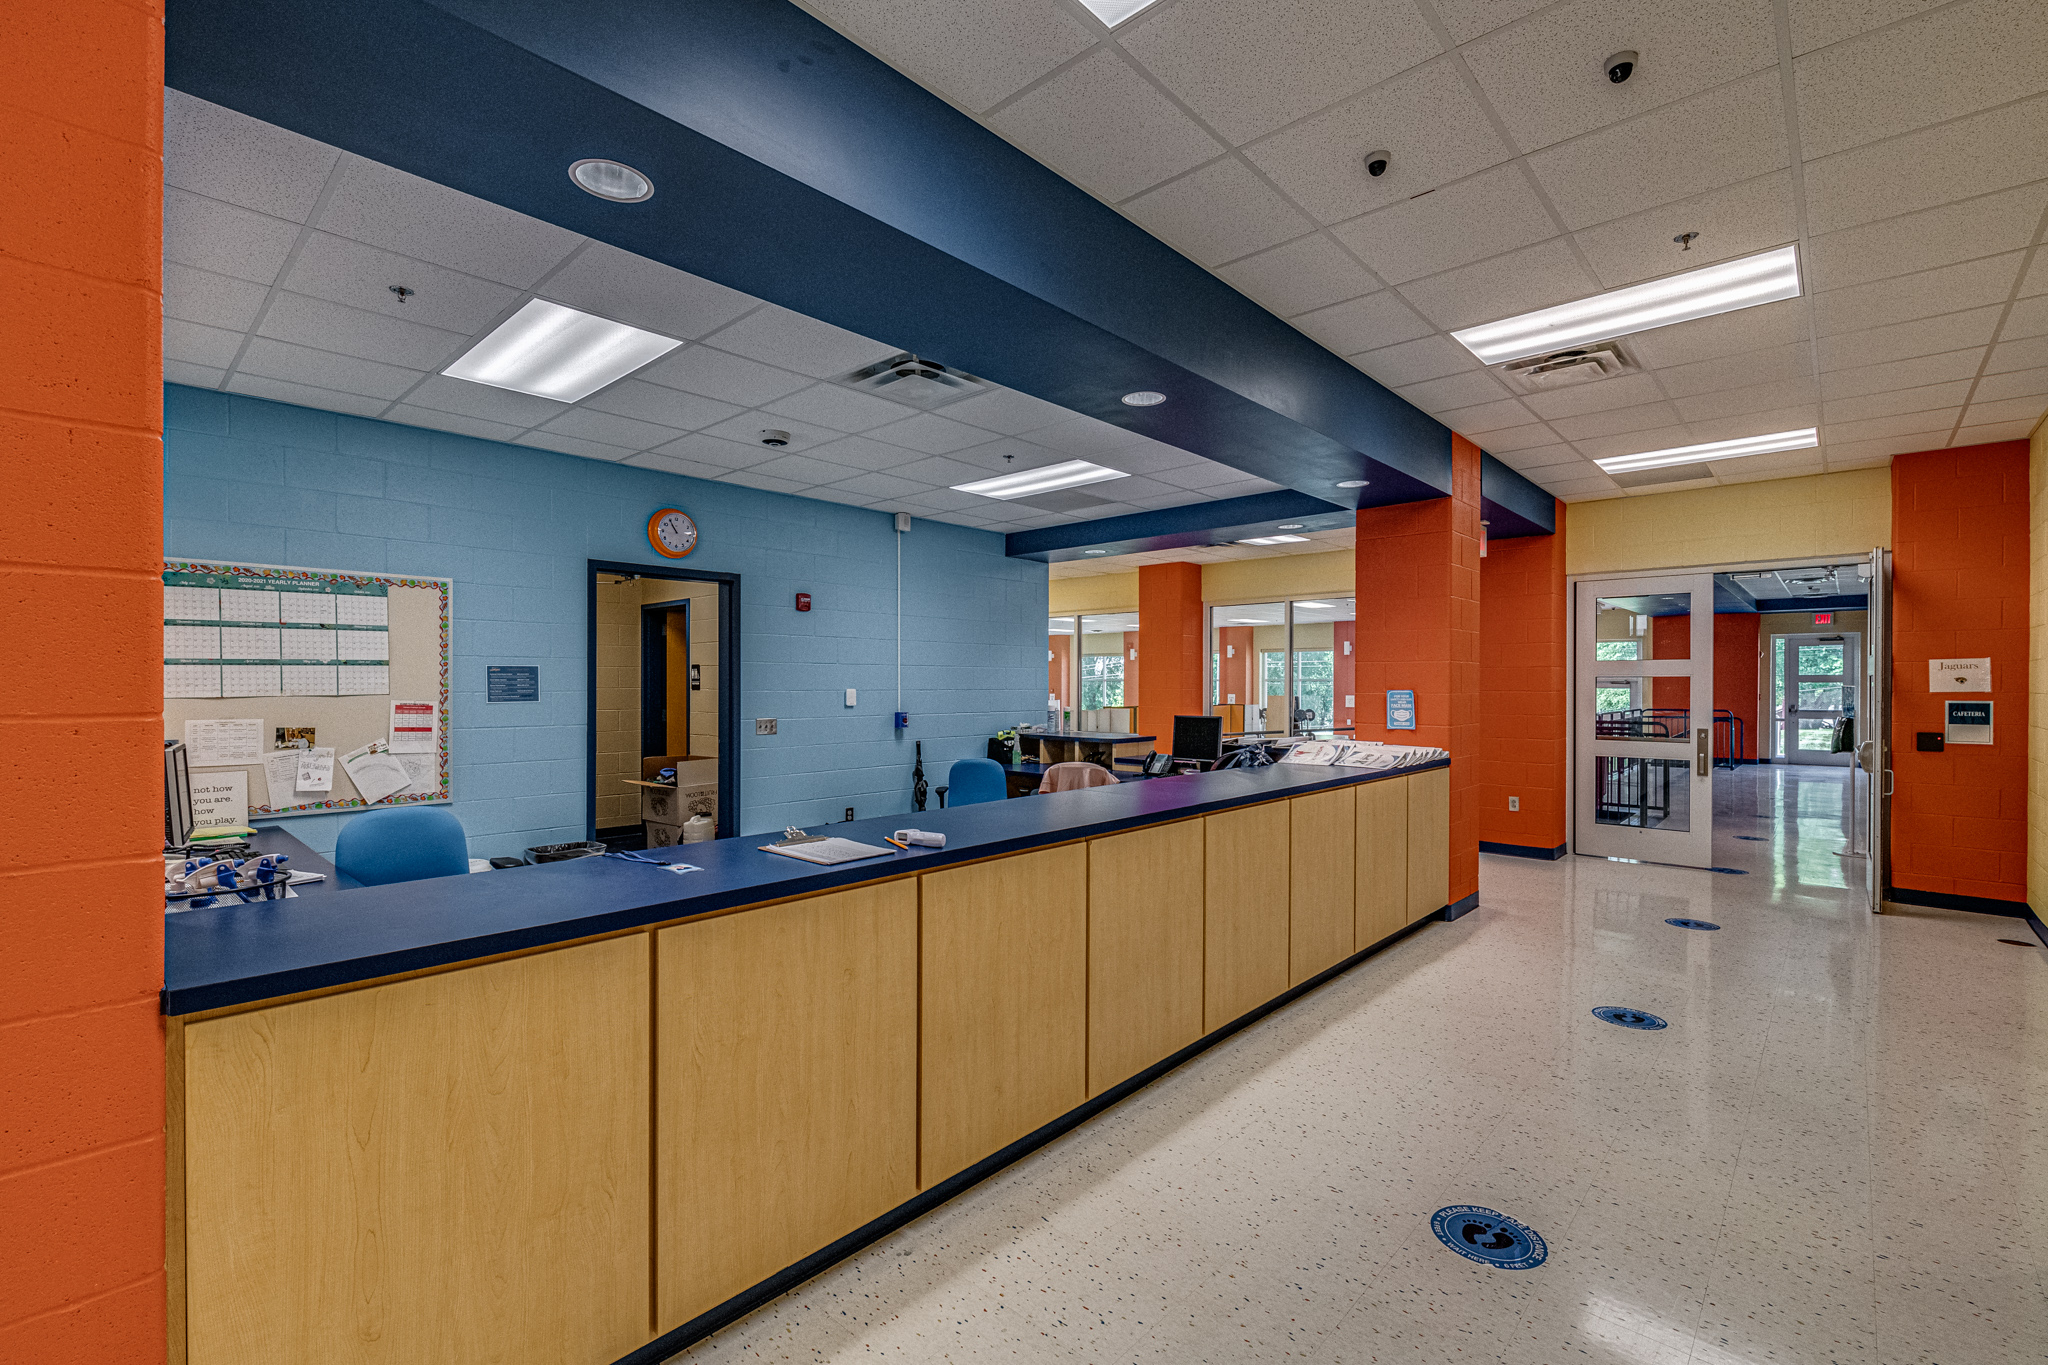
1271 540
1114 12
1319 606
1713 450
554 352
1072 474
1252 621
1722 288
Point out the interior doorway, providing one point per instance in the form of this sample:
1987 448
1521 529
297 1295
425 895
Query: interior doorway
664 694
1815 684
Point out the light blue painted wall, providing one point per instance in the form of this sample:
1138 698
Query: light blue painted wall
269 483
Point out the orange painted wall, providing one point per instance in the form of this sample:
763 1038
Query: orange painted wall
1523 702
1170 643
1132 655
1059 670
1345 633
1959 554
1234 670
1417 567
81 404
1671 638
1735 675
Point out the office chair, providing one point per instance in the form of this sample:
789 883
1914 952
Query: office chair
401 844
974 780
1073 777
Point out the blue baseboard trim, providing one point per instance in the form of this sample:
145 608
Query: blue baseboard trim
2040 929
1942 900
1458 907
1523 850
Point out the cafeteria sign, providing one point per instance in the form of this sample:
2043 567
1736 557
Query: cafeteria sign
1969 722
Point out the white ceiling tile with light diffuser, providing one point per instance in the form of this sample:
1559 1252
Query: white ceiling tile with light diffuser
551 351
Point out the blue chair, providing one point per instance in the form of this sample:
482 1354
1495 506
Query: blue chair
974 780
401 844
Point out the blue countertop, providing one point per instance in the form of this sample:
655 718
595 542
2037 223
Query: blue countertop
333 936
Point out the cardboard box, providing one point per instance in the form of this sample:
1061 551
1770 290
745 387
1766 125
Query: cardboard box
695 791
662 836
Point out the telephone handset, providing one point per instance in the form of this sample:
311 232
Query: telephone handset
1158 765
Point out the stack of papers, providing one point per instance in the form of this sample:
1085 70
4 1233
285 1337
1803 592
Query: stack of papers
828 851
1361 753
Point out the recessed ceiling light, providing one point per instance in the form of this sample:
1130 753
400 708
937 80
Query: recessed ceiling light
1713 450
1072 474
1291 525
1144 398
1272 540
554 352
1354 483
1722 288
613 180
1114 12
1094 552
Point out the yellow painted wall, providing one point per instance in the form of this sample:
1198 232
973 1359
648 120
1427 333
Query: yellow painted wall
1819 514
1271 579
1098 592
2037 675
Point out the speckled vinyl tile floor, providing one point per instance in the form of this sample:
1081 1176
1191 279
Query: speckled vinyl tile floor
1837 1152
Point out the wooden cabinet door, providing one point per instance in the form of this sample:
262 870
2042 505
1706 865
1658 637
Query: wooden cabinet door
1429 843
1005 993
1321 868
1244 933
1144 949
1382 878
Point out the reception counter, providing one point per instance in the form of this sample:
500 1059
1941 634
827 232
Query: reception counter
586 1112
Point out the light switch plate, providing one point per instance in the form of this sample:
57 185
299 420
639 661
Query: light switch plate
1514 803
764 727
849 696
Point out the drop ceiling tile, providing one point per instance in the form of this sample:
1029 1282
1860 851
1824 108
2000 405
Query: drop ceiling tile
2028 353
662 406
776 336
1411 362
341 271
1642 417
2011 384
1206 477
1977 155
1592 494
1791 464
520 410
933 434
1904 340
1489 213
804 469
1217 214
197 344
2036 280
305 395
1740 426
1719 138
1148 455
1427 118
873 486
1534 277
1816 23
973 52
228 156
1863 454
1802 393
2026 318
1740 220
1538 458
863 452
1948 289
450 421
1454 391
669 464
1534 436
608 428
351 331
387 208
1743 369
1835 462
1241 488
1920 241
1901 374
1309 272
1079 436
1105 127
1634 442
224 238
941 500
840 409
1487 418
1886 402
1365 324
1957 60
617 284
747 427
700 449
564 444
766 483
1007 412
1937 422
1008 455
193 295
1467 19
844 496
1622 391
325 369
943 472
1176 497
1546 74
197 376
1246 70
1749 331
1994 431
721 375
2027 410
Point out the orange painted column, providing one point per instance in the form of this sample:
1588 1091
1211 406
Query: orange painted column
1418 628
1735 681
1170 646
81 423
1960 533
1059 669
1523 701
1344 640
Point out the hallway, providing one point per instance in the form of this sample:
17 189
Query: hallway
1834 1153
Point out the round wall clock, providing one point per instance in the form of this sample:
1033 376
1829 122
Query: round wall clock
671 532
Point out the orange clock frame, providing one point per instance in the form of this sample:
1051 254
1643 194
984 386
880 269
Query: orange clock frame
654 535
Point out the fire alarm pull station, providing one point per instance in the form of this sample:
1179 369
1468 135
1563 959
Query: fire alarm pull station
803 601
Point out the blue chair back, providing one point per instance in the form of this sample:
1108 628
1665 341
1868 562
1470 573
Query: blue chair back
401 844
974 780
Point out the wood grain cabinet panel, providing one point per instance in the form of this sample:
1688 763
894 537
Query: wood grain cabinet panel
1321 868
449 1168
1004 1027
785 1086
1429 843
1381 884
1244 911
1144 949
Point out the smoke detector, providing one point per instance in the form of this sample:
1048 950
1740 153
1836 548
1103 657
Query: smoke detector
1567 368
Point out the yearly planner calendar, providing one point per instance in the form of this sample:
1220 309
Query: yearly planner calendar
231 636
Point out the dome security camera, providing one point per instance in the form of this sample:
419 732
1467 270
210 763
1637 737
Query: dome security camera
1621 66
1376 163
774 438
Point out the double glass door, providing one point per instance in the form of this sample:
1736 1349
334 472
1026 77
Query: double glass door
1815 682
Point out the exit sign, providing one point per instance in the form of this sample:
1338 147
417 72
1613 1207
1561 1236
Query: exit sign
1823 618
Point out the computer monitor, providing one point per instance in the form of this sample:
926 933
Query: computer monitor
1199 737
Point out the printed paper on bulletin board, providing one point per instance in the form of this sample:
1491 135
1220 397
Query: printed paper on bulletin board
344 715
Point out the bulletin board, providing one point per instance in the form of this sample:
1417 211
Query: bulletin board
296 649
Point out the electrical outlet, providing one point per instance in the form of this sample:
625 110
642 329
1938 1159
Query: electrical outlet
849 812
1514 803
764 727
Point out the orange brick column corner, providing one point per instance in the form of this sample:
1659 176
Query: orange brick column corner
1418 628
1960 534
1522 698
81 426
1170 649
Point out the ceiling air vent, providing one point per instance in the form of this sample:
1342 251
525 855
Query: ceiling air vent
920 383
1563 369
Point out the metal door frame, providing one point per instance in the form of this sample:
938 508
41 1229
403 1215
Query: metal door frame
1790 754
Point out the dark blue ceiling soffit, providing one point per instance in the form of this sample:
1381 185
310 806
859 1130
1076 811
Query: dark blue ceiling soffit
793 166
1731 596
1834 602
1178 528
1511 505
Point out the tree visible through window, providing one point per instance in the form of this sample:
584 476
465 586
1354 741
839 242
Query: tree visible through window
1102 680
1617 649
